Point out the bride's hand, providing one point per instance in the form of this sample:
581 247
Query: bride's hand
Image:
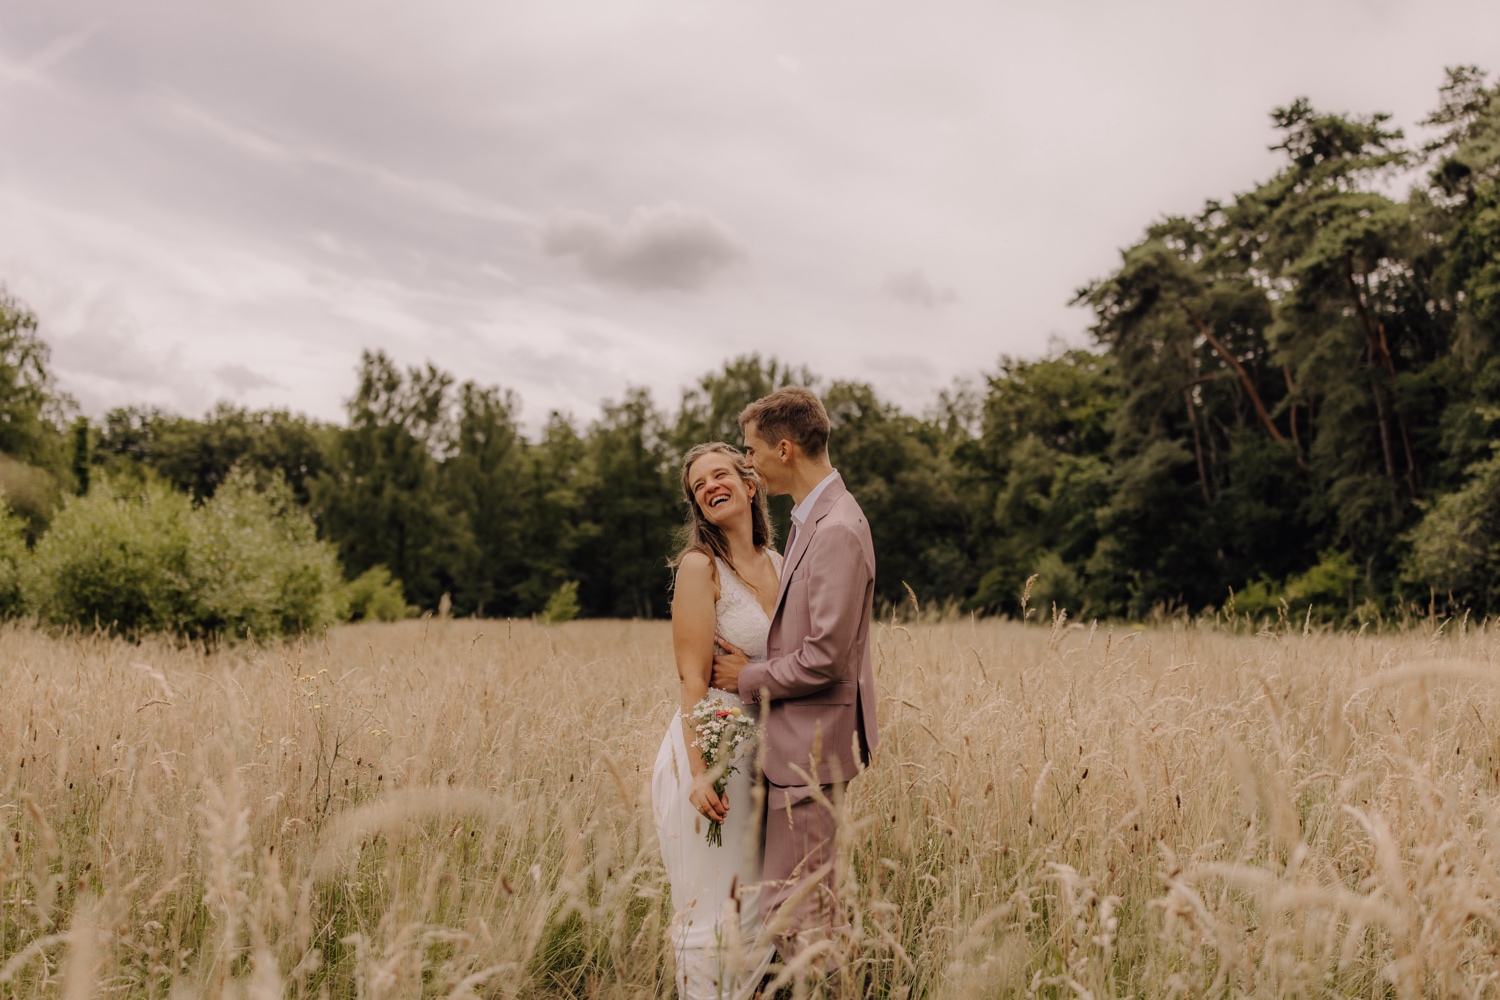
707 801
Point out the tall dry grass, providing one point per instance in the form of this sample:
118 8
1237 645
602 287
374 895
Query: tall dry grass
461 809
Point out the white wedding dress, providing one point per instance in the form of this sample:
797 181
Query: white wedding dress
716 924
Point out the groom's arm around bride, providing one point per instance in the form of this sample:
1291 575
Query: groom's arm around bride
817 684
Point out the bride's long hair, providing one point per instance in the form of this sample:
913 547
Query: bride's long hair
700 534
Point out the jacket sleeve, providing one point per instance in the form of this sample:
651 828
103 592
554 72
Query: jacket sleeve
835 596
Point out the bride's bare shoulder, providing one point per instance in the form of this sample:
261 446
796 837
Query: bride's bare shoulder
697 569
696 573
694 562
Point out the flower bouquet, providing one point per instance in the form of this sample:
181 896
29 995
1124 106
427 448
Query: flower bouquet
722 731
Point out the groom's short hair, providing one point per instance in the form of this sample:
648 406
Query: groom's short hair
794 414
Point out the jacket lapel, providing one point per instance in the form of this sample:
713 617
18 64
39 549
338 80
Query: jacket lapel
831 493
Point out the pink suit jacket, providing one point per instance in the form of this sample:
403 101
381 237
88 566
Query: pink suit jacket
817 676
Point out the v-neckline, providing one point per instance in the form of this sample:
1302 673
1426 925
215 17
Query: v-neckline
754 594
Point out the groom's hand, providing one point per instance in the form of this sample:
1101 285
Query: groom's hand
729 660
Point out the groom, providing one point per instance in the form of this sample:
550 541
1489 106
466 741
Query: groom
816 686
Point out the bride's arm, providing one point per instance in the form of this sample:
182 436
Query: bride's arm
693 625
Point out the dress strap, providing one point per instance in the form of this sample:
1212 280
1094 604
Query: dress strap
726 571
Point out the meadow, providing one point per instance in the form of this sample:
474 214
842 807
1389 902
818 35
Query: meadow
461 809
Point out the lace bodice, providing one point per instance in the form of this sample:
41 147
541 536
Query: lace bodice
738 615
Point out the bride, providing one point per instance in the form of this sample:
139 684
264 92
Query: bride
727 578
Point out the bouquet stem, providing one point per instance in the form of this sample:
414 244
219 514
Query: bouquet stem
715 828
721 730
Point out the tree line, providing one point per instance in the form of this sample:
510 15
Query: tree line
1292 400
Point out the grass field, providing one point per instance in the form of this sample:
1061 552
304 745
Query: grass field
461 809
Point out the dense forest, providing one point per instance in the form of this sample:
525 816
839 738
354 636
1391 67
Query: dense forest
1291 396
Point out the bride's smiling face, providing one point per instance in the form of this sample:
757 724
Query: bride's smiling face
717 488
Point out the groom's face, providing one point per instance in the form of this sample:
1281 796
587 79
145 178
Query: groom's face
766 459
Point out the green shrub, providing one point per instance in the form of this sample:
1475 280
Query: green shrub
120 560
12 559
375 595
1057 588
30 493
562 606
245 562
1327 587
257 566
1456 546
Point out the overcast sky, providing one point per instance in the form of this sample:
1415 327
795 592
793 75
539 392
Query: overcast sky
208 201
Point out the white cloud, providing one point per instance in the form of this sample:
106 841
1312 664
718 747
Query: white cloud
661 248
33 70
241 378
915 288
441 195
103 359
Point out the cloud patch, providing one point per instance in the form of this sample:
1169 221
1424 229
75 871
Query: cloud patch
104 357
242 379
659 248
915 288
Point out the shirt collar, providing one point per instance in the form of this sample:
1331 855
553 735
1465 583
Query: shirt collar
800 512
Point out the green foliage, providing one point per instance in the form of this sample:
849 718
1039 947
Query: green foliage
196 456
710 410
898 468
1292 362
1036 475
629 495
1455 548
245 562
33 461
32 493
380 496
116 559
31 406
1476 258
556 523
257 565
484 478
377 596
1327 589
1058 585
13 556
562 606
1467 154
82 458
